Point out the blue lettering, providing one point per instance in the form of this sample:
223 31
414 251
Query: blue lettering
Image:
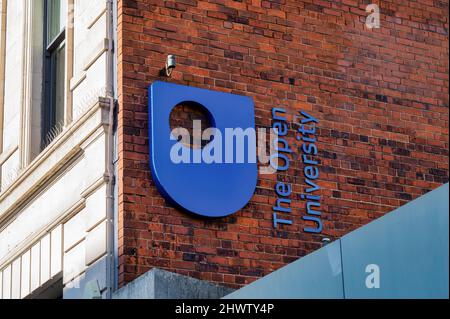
314 186
280 208
277 167
308 118
277 221
316 220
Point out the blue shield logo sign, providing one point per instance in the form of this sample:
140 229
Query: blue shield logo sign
209 190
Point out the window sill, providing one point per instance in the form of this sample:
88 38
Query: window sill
43 168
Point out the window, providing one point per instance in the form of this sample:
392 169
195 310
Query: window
55 12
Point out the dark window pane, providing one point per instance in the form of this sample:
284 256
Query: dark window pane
59 85
54 78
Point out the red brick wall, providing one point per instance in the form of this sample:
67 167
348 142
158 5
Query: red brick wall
381 96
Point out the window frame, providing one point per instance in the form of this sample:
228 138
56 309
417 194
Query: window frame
49 121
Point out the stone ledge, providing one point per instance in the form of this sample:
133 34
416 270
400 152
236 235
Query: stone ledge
161 284
44 167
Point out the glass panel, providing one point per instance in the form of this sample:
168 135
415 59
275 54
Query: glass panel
56 13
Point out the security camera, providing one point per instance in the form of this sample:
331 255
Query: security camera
171 64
